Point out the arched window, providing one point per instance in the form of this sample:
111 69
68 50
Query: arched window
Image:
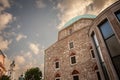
97 72
75 75
57 76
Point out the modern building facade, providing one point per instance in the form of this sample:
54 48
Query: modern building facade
105 38
2 67
87 49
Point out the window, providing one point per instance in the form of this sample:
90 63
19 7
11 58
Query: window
57 79
57 76
71 45
100 56
73 59
75 75
98 75
97 72
118 15
70 31
57 64
112 44
92 53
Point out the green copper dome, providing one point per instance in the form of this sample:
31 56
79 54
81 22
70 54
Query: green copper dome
77 18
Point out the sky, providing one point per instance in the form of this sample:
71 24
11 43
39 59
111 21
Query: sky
28 27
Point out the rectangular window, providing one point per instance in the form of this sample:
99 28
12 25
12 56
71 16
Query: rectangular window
73 59
57 79
100 56
118 15
76 77
70 31
56 64
71 45
112 44
98 75
92 53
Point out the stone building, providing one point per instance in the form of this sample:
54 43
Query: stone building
87 49
2 68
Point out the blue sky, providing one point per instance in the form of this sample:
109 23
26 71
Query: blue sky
28 27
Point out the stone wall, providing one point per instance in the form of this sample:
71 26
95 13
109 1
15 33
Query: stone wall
61 51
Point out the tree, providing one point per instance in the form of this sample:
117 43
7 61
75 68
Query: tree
33 74
4 77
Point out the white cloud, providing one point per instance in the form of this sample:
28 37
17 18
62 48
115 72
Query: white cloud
5 4
20 60
28 55
34 48
71 8
5 18
20 36
40 4
4 43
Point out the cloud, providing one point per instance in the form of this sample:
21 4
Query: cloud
34 48
28 55
4 4
18 26
4 43
20 36
5 18
40 4
20 60
7 63
71 8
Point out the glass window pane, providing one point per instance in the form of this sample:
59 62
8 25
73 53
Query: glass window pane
98 75
57 64
118 15
114 46
92 53
98 47
95 40
73 60
71 45
106 30
116 61
70 31
100 54
75 77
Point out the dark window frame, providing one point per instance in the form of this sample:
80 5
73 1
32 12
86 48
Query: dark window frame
116 13
92 53
76 75
71 45
102 63
105 20
70 31
58 78
57 64
98 75
73 61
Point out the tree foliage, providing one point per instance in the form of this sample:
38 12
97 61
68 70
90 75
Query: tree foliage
4 77
33 74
